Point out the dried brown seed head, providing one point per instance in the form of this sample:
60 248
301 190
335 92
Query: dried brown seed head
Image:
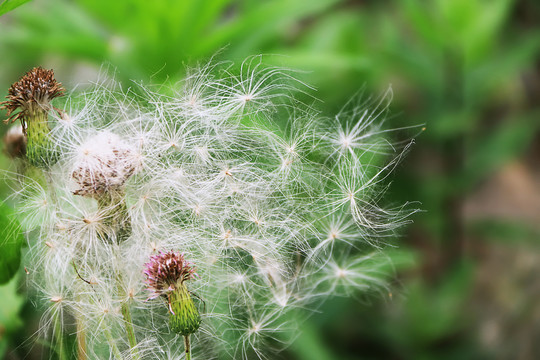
33 92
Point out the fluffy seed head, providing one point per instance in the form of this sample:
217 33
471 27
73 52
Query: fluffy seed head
103 164
275 203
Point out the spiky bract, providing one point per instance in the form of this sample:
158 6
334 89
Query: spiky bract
185 318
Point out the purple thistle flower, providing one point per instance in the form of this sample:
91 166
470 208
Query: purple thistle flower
166 272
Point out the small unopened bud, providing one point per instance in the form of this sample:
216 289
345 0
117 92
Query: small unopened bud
15 142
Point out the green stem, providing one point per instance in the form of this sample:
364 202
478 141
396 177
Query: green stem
116 215
128 323
117 354
187 346
59 337
81 341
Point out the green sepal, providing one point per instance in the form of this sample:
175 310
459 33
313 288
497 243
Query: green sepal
185 318
39 149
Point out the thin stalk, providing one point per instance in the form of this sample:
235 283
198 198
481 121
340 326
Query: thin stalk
81 341
128 323
456 242
187 346
117 217
59 337
51 186
117 354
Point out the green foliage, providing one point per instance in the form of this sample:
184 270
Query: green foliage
310 345
8 5
511 233
501 145
161 36
458 66
11 242
10 320
431 312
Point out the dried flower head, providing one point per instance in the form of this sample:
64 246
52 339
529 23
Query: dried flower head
166 273
32 96
33 92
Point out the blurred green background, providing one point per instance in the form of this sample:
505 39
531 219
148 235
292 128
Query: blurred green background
465 284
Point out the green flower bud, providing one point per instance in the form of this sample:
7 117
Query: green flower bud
167 273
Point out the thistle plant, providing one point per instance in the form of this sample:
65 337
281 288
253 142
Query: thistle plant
199 222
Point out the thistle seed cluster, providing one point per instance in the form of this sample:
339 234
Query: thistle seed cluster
276 205
104 164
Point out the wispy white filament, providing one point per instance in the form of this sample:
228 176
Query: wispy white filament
275 204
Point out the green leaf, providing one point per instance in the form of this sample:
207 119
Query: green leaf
490 75
9 5
506 231
310 345
10 320
434 313
11 241
499 147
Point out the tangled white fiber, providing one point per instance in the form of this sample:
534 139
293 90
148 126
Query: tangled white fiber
276 206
